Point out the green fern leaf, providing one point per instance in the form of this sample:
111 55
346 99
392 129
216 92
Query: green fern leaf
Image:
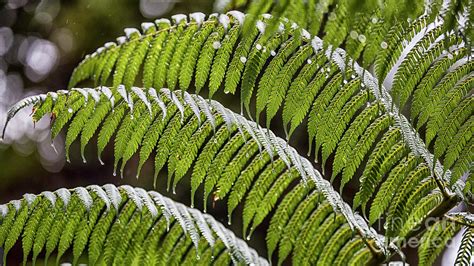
388 188
464 256
421 211
434 240
362 147
348 251
350 137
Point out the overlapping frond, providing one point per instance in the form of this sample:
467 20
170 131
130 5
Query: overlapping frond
465 256
286 70
435 240
120 226
230 157
431 71
361 27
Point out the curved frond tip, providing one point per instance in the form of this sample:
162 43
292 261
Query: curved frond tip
119 225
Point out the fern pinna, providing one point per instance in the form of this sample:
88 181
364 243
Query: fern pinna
312 82
118 225
238 160
435 68
361 26
351 116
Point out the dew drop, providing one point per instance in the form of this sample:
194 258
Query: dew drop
216 45
272 52
258 46
248 238
115 173
309 61
226 92
354 34
375 20
243 59
70 110
345 82
384 45
362 38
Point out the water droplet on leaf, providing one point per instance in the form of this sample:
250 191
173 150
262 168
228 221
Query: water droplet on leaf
216 45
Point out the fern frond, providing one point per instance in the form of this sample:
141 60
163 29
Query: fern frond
394 45
444 109
348 251
464 256
398 203
240 146
282 215
439 92
421 211
362 147
389 188
434 240
431 77
464 164
350 137
384 150
454 122
420 59
295 225
111 231
325 232
263 58
303 91
215 145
